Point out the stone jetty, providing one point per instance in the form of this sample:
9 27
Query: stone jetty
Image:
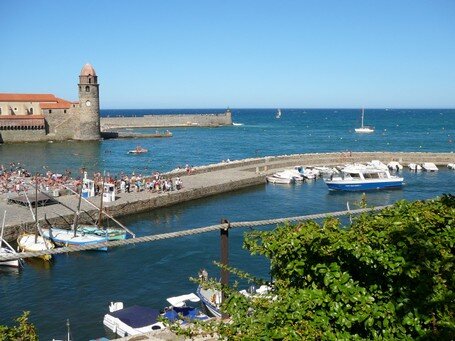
203 181
166 121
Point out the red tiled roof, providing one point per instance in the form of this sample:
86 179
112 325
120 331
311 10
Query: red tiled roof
59 105
27 98
46 101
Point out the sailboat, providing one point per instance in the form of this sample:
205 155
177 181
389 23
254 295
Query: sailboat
7 250
98 230
278 113
364 129
65 237
33 242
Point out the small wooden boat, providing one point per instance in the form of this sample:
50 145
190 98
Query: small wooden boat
30 242
111 233
64 237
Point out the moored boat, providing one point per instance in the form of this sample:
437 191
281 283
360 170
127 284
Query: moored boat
138 320
394 166
429 167
274 179
64 237
415 167
111 233
356 178
29 242
7 250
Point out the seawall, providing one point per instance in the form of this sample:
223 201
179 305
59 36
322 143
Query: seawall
204 181
166 121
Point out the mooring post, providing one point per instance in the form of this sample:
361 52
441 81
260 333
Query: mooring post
224 234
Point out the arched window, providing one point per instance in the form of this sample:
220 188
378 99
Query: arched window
90 80
87 89
31 111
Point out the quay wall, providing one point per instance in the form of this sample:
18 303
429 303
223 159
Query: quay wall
224 177
166 121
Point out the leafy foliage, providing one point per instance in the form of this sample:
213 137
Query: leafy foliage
389 275
23 331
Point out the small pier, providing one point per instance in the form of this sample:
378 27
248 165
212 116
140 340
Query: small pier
203 181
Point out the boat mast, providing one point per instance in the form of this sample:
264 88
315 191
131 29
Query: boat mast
76 214
36 208
101 204
362 116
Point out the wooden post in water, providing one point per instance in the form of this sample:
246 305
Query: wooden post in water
224 234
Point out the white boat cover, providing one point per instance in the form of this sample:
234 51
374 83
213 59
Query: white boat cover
179 301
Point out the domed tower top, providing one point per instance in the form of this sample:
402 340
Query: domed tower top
88 75
88 70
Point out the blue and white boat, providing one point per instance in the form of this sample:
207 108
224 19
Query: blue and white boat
138 320
362 178
64 237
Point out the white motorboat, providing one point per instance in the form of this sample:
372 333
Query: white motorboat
363 128
451 166
394 166
274 179
429 167
377 164
326 171
137 320
307 173
290 174
360 178
211 298
133 320
415 167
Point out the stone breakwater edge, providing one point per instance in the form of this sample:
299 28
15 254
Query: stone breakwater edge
203 181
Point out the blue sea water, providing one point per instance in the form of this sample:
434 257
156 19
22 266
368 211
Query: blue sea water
80 286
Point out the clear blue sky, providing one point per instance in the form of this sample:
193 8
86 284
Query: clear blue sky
237 53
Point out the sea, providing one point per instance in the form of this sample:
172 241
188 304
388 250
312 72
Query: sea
80 286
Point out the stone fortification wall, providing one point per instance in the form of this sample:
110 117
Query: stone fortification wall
160 121
61 124
23 135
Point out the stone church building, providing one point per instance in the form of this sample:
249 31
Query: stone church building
45 117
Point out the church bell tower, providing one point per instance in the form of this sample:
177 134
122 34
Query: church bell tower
89 105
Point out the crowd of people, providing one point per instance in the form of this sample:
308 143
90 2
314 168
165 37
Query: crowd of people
138 183
14 178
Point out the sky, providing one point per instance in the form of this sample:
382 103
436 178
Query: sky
237 53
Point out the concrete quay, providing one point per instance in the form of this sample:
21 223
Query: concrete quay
204 181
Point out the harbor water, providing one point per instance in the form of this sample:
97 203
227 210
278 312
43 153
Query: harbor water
80 286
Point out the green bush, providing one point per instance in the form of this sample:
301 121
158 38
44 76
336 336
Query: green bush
389 275
23 331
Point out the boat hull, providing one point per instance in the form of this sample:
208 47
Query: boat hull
112 234
209 298
363 186
63 237
26 243
10 263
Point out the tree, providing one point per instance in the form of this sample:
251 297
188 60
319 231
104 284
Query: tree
389 275
23 331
